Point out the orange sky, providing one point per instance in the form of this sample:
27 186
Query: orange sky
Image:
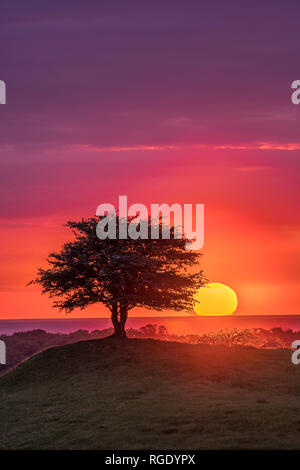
251 235
162 104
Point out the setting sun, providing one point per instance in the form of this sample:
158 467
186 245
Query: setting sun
215 299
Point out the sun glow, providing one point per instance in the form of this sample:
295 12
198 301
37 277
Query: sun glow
215 299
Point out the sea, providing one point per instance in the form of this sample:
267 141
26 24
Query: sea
176 325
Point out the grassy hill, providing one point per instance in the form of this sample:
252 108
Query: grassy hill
147 394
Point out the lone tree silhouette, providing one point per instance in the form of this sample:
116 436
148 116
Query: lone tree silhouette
121 274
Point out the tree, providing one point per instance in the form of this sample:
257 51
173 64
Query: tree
120 273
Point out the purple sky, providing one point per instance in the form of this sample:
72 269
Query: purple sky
164 101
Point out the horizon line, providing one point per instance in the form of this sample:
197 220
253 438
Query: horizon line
165 317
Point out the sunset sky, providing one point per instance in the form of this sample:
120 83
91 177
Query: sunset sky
164 102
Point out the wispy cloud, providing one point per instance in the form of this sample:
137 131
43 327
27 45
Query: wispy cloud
178 146
131 148
260 146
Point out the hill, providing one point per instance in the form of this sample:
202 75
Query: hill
150 394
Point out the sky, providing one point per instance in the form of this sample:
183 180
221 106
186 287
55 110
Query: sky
162 101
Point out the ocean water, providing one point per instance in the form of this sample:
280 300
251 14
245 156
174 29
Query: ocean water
176 325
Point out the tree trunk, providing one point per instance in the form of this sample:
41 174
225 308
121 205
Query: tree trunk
118 318
123 318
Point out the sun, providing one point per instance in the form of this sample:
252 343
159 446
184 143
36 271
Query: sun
215 299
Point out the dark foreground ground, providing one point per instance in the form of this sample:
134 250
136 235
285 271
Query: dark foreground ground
147 394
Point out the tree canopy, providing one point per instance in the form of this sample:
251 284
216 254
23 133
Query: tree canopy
120 273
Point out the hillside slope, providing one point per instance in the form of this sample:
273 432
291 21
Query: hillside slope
147 394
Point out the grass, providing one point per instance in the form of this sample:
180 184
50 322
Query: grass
147 394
